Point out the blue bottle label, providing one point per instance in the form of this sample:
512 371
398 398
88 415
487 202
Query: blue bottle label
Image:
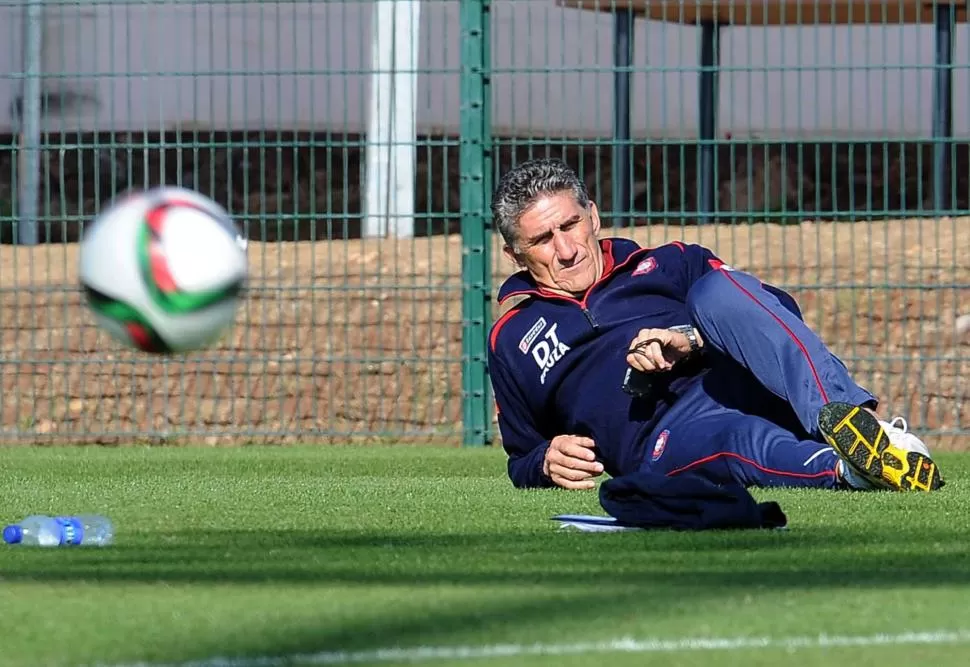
72 530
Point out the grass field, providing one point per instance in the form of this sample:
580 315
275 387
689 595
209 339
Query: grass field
277 556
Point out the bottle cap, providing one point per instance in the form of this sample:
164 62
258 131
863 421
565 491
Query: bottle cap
13 534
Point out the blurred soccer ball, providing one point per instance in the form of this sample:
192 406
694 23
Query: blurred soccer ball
163 270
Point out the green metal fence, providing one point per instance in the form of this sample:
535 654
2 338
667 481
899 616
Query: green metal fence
820 156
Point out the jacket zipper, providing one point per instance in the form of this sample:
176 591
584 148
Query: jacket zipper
582 303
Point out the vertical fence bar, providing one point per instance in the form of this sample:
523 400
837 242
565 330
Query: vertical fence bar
622 73
708 97
943 108
30 111
475 222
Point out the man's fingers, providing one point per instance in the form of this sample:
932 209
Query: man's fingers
573 485
585 460
571 462
641 344
576 486
649 351
636 362
647 356
571 440
577 451
653 354
569 473
587 467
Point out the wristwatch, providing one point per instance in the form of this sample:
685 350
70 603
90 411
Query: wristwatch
691 335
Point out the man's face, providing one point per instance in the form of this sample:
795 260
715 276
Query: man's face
557 244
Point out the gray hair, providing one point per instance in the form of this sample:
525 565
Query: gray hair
521 187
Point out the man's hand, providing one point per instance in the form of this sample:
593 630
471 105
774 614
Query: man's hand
571 463
658 349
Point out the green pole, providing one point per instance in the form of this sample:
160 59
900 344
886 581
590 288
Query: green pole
487 193
476 166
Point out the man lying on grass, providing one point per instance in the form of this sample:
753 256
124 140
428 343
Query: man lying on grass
623 358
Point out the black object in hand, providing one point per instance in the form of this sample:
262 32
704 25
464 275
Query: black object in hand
637 383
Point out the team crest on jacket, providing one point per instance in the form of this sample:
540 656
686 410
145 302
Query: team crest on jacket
660 445
645 266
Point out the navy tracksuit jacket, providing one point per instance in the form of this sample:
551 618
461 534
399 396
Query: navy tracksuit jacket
745 410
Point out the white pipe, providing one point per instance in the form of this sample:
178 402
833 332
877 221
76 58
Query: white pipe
391 130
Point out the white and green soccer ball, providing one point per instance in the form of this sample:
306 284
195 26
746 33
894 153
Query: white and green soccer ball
163 270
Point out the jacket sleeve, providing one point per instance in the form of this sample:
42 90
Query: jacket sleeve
522 438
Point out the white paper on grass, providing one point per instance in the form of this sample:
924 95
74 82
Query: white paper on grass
588 523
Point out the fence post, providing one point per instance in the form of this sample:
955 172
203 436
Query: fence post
28 164
475 183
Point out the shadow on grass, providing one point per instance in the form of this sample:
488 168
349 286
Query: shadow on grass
515 582
780 559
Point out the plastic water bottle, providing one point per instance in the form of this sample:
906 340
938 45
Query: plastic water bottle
54 531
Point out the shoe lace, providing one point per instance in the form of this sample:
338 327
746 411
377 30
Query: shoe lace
902 429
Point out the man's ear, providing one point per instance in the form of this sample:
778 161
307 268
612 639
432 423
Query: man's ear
512 257
594 215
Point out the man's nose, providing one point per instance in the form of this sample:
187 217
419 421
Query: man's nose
565 248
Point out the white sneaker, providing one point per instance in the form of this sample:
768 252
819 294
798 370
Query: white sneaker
902 438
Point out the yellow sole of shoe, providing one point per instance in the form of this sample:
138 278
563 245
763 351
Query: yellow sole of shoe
859 439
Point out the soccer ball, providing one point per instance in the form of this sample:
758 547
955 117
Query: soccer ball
163 270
